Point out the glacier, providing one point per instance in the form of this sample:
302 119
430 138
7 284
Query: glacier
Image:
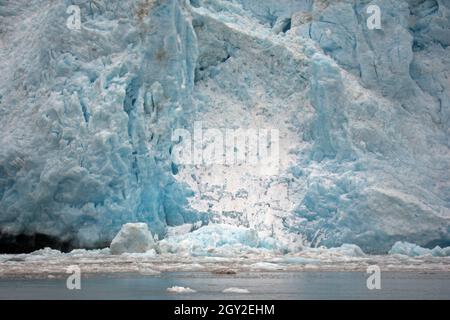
87 118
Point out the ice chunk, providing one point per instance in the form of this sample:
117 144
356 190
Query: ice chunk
133 238
226 240
413 250
267 266
81 252
207 239
46 252
178 290
236 290
42 254
147 270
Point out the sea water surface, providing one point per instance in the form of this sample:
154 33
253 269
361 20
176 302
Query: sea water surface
261 286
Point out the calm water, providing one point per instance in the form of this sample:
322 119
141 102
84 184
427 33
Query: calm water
300 285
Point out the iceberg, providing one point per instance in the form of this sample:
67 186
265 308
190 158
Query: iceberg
178 290
132 238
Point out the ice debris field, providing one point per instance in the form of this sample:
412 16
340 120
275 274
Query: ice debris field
220 249
87 117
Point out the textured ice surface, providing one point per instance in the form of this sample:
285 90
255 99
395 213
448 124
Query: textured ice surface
364 120
210 239
413 250
54 264
86 117
179 290
132 238
226 240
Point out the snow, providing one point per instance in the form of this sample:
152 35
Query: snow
180 290
133 238
236 290
363 115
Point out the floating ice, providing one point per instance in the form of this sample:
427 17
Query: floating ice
148 271
236 290
413 250
133 238
266 266
180 290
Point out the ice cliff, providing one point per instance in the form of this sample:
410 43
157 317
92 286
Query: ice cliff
87 117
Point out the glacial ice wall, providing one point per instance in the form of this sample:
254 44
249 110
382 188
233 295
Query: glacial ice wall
87 117
364 118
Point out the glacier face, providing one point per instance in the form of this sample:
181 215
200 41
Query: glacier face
81 151
364 118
